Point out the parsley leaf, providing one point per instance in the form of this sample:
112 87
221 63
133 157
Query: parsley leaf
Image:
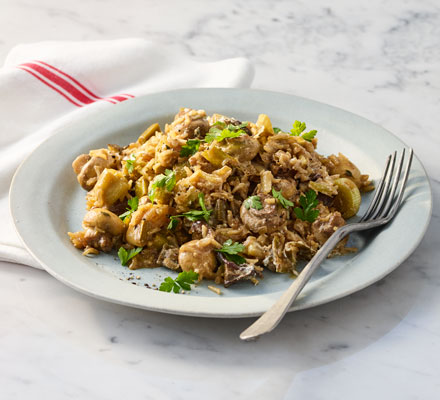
276 130
129 164
193 215
183 281
132 207
283 201
174 221
190 148
168 181
207 213
309 135
133 203
225 131
299 128
231 249
219 135
168 285
254 202
126 255
308 212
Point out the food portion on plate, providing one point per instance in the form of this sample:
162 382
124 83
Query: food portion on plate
216 198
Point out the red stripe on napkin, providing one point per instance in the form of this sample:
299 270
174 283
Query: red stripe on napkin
48 84
71 78
66 85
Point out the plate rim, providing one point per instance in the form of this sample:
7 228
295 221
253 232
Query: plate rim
13 210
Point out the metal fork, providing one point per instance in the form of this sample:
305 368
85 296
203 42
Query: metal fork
384 206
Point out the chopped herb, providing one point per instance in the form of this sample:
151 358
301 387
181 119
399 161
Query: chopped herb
276 130
174 221
201 197
309 135
254 202
225 131
126 255
190 148
168 181
299 128
183 281
193 215
231 249
129 164
283 201
133 203
132 207
219 135
308 211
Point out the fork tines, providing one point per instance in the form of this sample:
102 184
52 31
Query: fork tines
385 203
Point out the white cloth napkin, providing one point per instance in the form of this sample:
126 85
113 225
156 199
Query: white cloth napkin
44 85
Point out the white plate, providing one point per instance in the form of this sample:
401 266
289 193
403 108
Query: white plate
47 202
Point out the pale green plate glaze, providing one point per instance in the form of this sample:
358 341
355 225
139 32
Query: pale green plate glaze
47 202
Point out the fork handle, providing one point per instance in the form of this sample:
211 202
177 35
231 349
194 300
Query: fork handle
272 317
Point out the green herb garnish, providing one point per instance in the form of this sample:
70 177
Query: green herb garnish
276 130
168 181
231 249
132 207
183 281
193 215
299 128
254 202
225 131
190 148
283 201
129 164
174 221
308 212
309 135
126 255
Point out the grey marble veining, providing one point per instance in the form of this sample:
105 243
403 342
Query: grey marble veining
380 59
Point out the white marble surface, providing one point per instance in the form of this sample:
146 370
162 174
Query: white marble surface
380 59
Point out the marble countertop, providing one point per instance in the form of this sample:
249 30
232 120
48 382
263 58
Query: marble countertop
379 59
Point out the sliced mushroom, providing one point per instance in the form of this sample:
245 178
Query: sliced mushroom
267 220
88 170
102 231
103 221
343 167
145 222
79 162
193 124
199 256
